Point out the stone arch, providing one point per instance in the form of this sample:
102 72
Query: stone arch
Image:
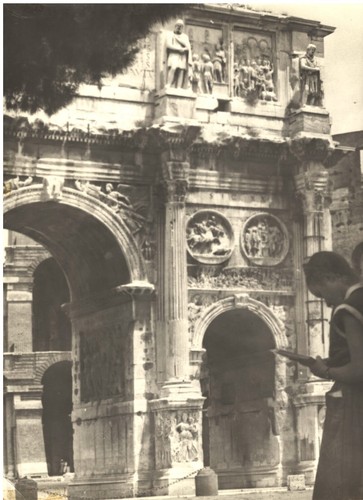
48 361
87 205
239 301
37 261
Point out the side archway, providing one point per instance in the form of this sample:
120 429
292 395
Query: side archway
239 301
92 243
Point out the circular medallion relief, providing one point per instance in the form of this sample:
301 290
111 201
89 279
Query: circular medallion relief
264 240
209 237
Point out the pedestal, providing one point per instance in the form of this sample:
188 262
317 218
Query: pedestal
310 119
178 439
172 102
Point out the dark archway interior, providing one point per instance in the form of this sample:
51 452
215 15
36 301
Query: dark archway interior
51 327
86 250
238 380
57 424
235 334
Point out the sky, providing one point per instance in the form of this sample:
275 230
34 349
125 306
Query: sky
343 83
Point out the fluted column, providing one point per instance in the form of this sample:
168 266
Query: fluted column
312 189
173 307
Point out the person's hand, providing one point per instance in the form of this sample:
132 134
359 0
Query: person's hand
319 368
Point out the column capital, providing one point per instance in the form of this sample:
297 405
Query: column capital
175 180
312 189
309 148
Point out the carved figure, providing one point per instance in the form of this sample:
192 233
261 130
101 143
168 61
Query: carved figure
219 63
188 433
207 237
207 72
196 74
179 57
310 81
254 77
16 183
88 188
116 198
263 239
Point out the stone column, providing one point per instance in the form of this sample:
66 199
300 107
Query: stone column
311 185
178 412
173 296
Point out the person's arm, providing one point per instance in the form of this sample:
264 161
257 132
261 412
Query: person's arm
306 67
352 372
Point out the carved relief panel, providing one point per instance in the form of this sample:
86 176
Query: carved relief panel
264 240
178 437
102 367
209 58
253 66
209 237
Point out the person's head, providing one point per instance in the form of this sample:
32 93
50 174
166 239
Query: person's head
310 50
108 187
179 25
328 276
205 58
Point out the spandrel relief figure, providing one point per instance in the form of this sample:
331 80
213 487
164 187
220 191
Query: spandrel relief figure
179 57
310 81
16 183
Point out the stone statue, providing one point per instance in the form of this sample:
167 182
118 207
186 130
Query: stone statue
179 57
310 81
116 199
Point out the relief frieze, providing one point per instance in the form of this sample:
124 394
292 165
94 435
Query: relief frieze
244 278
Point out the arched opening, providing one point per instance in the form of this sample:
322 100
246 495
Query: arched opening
239 384
51 327
56 418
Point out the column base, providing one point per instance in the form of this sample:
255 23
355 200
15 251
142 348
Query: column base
308 469
111 486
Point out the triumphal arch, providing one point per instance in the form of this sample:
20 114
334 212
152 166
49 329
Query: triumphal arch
179 201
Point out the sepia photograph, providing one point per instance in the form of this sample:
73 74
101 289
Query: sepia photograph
183 251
